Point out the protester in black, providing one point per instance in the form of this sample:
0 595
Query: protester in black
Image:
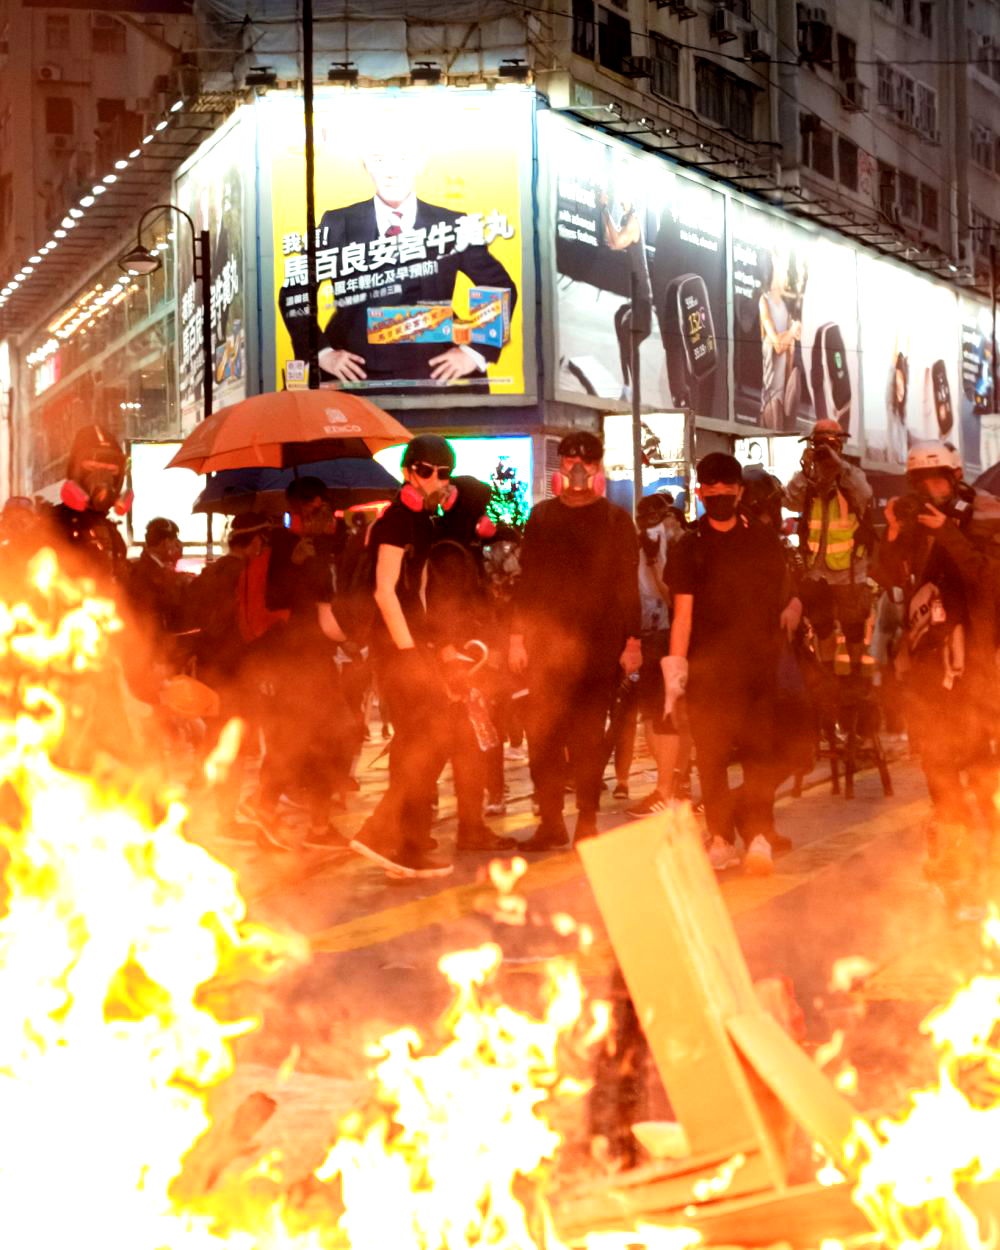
397 835
304 714
576 626
731 601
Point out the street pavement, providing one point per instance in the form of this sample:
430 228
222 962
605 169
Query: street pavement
851 886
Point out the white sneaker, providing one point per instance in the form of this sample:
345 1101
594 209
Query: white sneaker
722 854
516 754
758 862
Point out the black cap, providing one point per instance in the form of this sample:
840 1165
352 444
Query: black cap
159 530
719 467
652 509
429 449
583 444
305 489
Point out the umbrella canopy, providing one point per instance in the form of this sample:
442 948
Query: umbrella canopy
239 490
289 428
989 481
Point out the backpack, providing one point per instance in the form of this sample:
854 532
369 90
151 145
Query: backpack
354 602
254 616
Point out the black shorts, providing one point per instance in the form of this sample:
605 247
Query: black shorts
651 689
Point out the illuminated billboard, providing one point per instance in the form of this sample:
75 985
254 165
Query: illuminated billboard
421 240
504 462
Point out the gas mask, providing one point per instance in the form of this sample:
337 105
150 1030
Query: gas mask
580 479
720 507
96 471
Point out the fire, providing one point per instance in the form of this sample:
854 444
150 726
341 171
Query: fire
118 938
918 1172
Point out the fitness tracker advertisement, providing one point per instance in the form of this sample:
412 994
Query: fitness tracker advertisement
910 362
978 419
637 246
795 334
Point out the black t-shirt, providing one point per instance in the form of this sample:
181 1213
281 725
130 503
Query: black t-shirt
740 585
299 576
579 578
400 526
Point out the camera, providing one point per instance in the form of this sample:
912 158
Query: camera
908 507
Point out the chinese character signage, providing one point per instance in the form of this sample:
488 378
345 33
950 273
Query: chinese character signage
420 240
212 192
638 248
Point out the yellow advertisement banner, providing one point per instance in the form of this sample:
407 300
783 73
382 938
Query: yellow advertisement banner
420 242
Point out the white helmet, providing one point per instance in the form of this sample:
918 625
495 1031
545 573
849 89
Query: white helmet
934 455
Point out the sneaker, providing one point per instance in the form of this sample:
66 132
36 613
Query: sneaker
404 863
546 838
328 839
722 854
620 791
482 838
516 754
654 802
758 862
272 832
495 807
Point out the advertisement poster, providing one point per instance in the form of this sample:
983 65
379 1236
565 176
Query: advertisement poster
980 435
911 338
420 239
795 335
211 192
665 455
630 230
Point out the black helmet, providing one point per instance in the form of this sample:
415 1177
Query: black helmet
763 495
428 449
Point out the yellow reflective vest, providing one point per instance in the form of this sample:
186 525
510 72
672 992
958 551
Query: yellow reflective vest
834 515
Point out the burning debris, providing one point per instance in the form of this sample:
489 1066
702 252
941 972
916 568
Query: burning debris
121 941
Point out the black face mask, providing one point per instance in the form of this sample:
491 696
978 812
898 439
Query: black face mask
720 507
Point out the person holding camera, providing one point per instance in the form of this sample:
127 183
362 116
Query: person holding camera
937 550
833 499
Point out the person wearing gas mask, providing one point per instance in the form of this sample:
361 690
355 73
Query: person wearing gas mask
836 539
397 835
937 549
576 627
732 602
86 538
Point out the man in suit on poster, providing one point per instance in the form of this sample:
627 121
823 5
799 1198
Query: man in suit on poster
395 249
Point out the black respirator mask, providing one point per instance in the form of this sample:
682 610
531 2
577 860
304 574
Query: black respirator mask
721 507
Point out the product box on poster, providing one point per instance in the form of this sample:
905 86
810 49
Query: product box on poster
488 324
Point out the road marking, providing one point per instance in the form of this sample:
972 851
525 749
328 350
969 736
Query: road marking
742 894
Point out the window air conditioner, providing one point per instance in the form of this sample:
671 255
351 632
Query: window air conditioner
723 26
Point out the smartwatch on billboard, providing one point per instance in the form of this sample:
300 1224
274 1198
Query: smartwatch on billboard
831 382
942 397
689 334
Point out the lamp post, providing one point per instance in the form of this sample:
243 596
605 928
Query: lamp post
140 260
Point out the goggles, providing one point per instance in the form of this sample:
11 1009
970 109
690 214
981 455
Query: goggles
424 471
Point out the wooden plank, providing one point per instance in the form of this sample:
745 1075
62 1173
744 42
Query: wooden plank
793 1077
682 964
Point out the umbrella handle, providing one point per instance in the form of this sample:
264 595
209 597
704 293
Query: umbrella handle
474 644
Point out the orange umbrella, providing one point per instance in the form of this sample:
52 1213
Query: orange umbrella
288 428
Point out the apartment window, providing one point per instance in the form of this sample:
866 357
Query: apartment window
56 32
107 34
583 28
817 145
927 19
907 11
927 114
847 57
58 115
614 41
906 99
909 202
724 99
665 79
981 142
928 207
6 205
886 84
847 163
887 189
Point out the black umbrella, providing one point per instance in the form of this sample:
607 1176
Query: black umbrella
349 482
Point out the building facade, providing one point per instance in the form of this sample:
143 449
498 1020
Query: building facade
754 165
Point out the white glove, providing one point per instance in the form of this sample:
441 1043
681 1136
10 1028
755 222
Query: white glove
675 679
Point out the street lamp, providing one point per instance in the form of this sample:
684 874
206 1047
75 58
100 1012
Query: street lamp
140 260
